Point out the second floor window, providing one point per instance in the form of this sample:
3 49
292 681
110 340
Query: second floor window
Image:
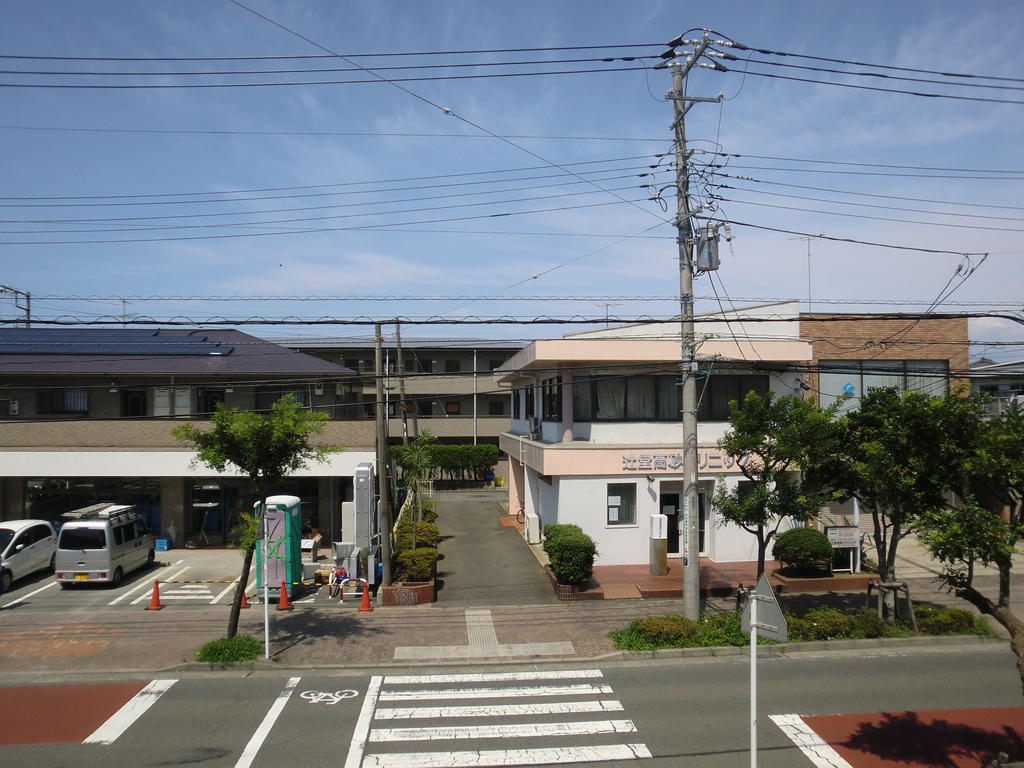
551 390
58 401
626 398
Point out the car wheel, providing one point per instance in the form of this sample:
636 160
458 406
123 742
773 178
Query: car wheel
150 558
5 581
53 562
115 580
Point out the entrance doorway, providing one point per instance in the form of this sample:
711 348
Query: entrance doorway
670 505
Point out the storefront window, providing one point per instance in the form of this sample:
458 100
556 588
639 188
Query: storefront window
50 497
621 503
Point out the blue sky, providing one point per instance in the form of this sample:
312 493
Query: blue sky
169 144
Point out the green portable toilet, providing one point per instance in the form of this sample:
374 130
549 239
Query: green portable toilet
283 545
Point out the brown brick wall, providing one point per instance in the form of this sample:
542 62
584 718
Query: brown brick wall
865 337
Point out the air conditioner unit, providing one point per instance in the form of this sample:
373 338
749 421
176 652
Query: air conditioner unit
318 388
12 407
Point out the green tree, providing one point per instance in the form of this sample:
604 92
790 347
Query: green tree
971 533
416 462
901 453
773 437
266 448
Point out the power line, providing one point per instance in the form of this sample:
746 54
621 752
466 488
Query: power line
334 185
336 55
858 164
303 83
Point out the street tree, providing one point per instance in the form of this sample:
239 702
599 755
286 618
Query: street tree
264 447
899 453
773 438
985 527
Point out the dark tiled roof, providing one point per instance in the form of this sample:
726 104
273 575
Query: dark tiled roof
131 351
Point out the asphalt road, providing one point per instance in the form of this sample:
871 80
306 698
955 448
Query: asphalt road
691 713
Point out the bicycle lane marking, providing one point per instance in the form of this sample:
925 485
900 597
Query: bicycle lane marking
132 710
54 714
253 747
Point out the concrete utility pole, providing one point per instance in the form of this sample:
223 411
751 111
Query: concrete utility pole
383 504
688 344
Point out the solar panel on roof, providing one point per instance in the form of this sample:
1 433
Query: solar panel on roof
54 341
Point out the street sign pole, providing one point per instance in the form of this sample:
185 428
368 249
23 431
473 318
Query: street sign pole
773 626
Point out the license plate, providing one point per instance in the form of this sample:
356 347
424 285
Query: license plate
81 577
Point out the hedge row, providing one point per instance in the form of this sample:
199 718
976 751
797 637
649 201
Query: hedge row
455 462
675 631
571 553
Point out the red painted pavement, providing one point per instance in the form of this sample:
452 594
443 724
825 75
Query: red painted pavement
952 738
50 714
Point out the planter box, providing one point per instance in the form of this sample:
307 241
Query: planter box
840 582
571 591
409 593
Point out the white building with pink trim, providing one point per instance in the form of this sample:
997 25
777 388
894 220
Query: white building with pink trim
596 435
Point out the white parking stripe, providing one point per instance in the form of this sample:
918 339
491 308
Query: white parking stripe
362 730
810 743
249 753
490 693
149 587
26 597
121 721
250 587
500 710
494 677
503 731
144 585
500 757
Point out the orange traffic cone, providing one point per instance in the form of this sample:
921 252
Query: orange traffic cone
245 601
154 602
283 603
364 606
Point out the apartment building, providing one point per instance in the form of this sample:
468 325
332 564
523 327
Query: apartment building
86 416
449 384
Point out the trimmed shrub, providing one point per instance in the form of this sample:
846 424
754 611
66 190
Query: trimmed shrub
670 630
802 548
723 629
230 650
572 556
427 535
415 564
943 621
554 530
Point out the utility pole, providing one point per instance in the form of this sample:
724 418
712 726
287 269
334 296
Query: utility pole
400 371
383 505
27 308
687 339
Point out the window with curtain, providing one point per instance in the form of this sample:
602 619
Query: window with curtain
56 401
640 398
717 390
611 398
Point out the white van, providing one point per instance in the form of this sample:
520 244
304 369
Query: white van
102 543
26 546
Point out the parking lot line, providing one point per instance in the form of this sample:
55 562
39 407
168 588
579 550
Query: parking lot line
144 585
26 597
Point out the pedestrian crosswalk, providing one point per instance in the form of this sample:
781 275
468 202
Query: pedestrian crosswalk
516 718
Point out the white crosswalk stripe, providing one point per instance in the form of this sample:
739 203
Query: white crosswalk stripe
533 718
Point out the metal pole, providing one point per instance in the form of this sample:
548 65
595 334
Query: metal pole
384 514
400 370
688 347
753 678
266 588
475 376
